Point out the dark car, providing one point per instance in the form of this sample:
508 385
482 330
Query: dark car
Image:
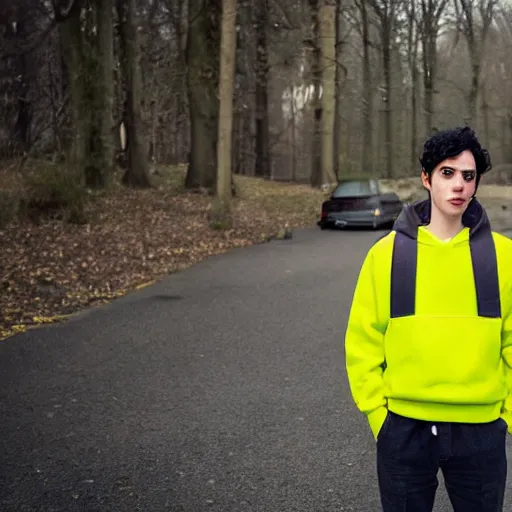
360 203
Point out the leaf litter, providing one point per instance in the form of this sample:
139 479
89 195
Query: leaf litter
50 269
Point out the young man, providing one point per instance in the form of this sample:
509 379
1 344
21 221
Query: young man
429 340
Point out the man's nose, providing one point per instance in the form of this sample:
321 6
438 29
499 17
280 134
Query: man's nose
458 183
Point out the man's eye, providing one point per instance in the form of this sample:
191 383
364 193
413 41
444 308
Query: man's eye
447 172
468 176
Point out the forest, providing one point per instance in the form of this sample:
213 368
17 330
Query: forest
137 137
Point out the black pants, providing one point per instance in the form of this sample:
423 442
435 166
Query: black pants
472 458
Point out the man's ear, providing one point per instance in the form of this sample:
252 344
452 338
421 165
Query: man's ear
425 179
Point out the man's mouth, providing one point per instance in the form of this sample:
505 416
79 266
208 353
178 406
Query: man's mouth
457 201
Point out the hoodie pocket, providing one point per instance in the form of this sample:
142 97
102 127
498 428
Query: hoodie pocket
444 359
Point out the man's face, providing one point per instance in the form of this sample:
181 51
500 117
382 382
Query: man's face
452 184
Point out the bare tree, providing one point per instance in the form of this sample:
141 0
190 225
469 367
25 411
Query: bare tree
262 163
316 142
68 15
340 74
16 24
387 11
106 85
429 25
178 20
59 83
323 15
413 34
327 22
500 72
137 171
86 34
202 81
225 125
474 19
367 93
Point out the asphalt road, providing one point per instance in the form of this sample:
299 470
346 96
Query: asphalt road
222 388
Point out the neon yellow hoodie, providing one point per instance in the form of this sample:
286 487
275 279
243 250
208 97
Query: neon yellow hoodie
444 358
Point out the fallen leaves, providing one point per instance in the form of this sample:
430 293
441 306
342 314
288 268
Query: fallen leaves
51 270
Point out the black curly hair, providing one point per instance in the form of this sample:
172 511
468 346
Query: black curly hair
449 143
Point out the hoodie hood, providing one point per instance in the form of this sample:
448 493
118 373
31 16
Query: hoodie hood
418 214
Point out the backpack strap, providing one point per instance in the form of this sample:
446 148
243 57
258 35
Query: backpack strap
485 275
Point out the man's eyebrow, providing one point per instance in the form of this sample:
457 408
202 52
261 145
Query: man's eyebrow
451 168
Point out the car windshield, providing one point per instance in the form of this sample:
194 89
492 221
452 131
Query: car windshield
355 188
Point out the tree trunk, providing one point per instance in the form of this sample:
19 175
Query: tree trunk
316 142
17 92
327 18
474 88
70 31
181 111
386 64
431 13
137 171
338 107
429 39
243 111
100 63
477 19
414 117
202 81
262 164
293 136
106 93
412 43
225 127
86 37
485 119
367 153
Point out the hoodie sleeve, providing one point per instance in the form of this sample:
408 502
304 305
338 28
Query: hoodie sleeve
506 352
364 349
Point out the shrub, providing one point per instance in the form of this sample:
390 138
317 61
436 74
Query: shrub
55 191
9 206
